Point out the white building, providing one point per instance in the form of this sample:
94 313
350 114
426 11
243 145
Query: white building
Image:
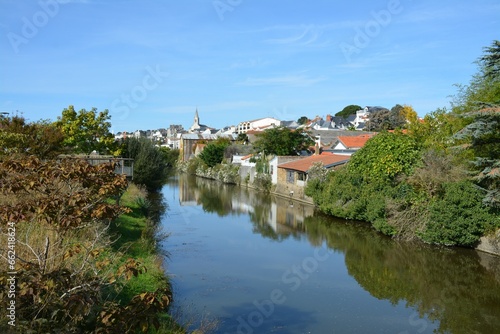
257 124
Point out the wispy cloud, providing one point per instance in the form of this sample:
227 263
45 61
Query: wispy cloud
287 80
308 36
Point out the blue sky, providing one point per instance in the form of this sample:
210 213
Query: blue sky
151 63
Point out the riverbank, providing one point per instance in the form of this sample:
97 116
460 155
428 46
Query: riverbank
490 243
138 237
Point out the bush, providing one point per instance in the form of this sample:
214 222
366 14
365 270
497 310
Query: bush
150 168
386 156
382 226
459 217
213 153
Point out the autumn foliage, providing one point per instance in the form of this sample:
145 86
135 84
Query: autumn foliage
68 277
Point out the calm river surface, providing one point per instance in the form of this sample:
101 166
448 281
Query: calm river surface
261 264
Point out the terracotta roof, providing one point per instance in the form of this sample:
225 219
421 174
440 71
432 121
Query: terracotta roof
303 165
354 141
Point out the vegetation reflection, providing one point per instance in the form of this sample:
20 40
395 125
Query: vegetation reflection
456 287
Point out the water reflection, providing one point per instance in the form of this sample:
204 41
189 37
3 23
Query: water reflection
451 286
457 288
273 217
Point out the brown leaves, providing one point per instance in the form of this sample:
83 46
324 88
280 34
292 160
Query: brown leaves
140 313
131 268
66 194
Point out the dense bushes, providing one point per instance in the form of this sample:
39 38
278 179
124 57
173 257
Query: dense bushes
458 217
407 194
360 190
150 165
213 153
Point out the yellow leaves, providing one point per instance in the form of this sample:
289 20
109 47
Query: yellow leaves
409 114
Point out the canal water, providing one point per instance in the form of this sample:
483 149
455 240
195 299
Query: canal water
262 264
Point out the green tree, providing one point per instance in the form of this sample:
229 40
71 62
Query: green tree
479 104
283 141
483 141
86 131
150 167
436 129
170 155
303 120
213 153
484 88
41 138
491 60
348 110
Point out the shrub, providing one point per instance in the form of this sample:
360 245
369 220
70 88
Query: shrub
386 156
150 167
213 153
459 217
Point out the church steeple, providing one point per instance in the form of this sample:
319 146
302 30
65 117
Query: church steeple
196 117
196 125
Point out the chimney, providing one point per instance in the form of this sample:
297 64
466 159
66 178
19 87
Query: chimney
316 149
328 118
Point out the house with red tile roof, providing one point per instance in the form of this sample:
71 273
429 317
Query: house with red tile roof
352 142
292 176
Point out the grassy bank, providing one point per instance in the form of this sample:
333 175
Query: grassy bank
137 237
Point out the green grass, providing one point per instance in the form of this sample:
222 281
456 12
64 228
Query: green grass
136 239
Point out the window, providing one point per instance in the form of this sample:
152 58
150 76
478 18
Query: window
290 177
301 176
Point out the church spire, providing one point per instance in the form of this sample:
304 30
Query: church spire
196 124
196 117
